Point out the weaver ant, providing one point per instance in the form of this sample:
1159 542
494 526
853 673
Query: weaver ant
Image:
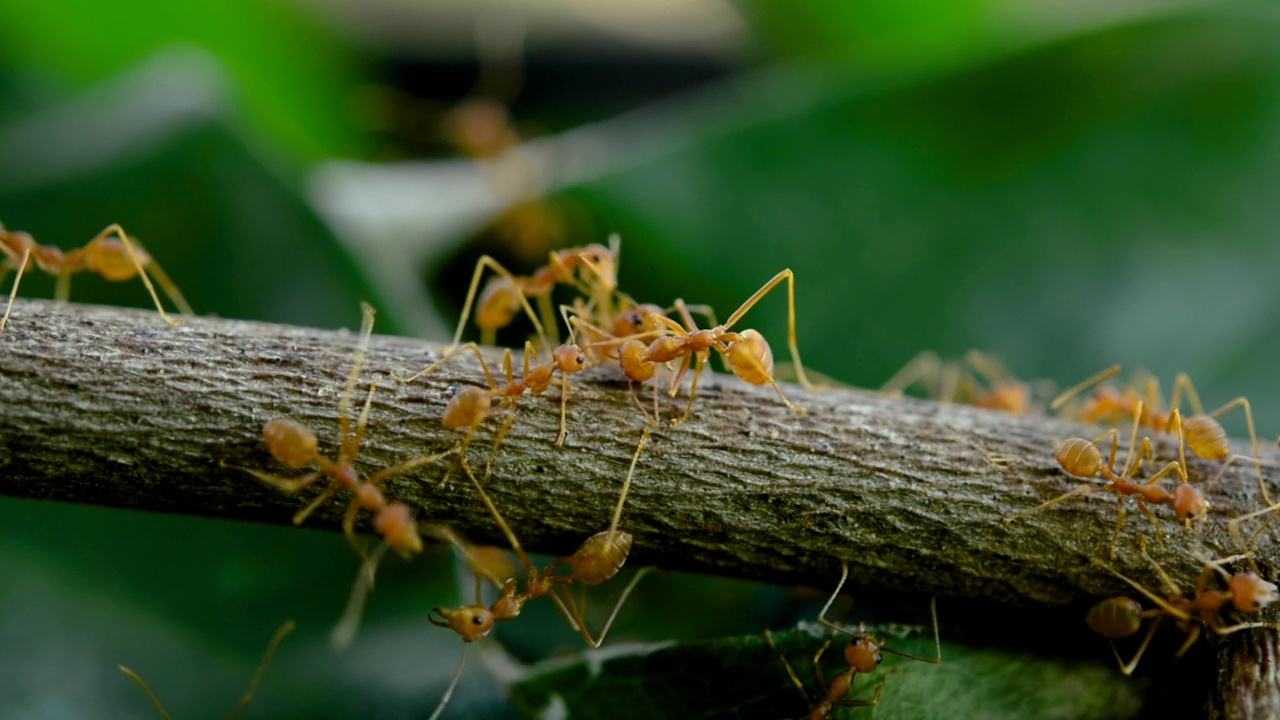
276 639
110 254
295 446
1081 458
863 654
981 380
1119 617
746 353
506 294
1204 435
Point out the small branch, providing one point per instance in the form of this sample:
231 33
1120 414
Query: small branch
112 407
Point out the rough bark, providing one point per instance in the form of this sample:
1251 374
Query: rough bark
112 407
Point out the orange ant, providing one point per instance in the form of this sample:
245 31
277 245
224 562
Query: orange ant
1082 458
1120 617
111 254
746 353
507 294
295 446
1204 435
952 381
863 654
284 630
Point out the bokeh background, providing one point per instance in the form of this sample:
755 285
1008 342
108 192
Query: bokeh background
1064 184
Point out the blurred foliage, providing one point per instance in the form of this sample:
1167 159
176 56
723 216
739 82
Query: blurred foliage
1100 198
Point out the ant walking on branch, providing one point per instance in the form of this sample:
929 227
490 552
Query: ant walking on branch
1203 434
863 654
1120 617
110 254
295 446
1082 458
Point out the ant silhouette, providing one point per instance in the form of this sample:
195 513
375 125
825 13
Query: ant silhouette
1204 435
863 654
110 254
980 380
1120 617
276 639
295 446
747 354
1081 458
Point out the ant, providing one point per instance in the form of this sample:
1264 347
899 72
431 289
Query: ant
1121 617
863 654
284 630
746 353
1204 435
506 294
295 446
111 254
1082 458
470 406
954 382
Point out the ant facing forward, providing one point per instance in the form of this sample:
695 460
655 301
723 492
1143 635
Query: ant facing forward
110 254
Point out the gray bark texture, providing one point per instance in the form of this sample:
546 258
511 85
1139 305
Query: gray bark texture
113 407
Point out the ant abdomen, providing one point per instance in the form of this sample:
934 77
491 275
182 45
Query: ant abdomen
1078 457
1115 618
290 442
498 304
1206 438
467 409
109 258
751 358
599 558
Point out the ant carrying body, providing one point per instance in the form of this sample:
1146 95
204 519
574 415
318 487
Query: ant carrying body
111 254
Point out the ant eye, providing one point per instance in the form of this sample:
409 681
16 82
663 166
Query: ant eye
582 360
636 319
477 620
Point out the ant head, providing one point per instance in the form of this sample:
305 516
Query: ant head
471 622
863 653
637 321
290 442
467 409
480 127
1189 502
396 525
1249 593
1078 457
603 263
1115 618
751 358
569 358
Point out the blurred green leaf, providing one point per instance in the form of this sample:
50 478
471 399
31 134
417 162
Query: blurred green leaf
291 76
742 677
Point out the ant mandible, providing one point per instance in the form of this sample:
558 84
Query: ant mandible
1081 458
110 254
276 639
863 654
295 446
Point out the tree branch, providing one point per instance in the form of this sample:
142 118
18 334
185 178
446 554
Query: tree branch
112 407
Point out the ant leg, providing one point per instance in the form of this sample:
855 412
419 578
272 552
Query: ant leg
289 485
1253 437
1192 636
1080 490
1169 586
863 703
1142 505
453 684
937 640
472 347
170 289
349 528
1126 668
1070 393
497 516
481 264
347 452
925 367
22 266
768 638
1120 516
548 314
405 467
311 507
288 627
156 701
817 664
1183 384
345 631
626 488
791 318
580 614
1164 604
822 614
693 388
